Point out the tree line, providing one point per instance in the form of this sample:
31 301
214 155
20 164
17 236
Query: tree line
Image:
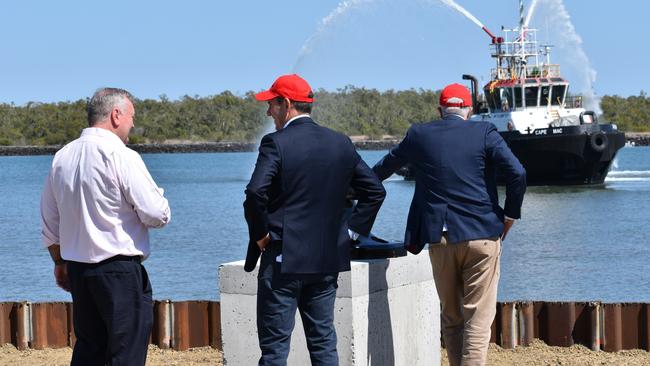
227 117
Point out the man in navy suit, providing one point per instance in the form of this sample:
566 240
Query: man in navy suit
294 208
456 210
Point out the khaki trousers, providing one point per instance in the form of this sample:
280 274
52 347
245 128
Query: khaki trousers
466 276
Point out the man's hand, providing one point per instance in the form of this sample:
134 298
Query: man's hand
262 243
61 276
507 224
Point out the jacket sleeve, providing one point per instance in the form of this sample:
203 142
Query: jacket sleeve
255 204
507 163
370 195
396 158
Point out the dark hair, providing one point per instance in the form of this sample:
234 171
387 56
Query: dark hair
302 107
103 101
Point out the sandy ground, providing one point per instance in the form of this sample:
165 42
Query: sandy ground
9 355
536 354
540 354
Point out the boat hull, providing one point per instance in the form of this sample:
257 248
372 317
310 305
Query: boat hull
570 155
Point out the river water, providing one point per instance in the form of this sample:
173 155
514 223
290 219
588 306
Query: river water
572 243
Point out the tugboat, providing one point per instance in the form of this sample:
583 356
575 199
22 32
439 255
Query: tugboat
557 140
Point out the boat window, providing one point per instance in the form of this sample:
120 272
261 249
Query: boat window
518 98
531 96
506 99
545 95
558 94
492 97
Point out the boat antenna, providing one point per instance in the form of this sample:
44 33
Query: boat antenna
521 15
546 51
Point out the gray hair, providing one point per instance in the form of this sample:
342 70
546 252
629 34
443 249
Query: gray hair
104 100
456 111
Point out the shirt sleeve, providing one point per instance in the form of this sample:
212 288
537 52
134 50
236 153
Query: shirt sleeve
49 215
141 191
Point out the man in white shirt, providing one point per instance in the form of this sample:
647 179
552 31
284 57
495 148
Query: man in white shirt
98 203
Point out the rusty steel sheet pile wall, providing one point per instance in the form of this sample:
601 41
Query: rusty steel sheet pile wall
598 326
626 326
50 325
7 317
186 324
179 325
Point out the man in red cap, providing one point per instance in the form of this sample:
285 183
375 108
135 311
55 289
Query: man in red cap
294 209
455 209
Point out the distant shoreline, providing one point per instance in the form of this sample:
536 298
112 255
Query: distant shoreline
635 138
199 147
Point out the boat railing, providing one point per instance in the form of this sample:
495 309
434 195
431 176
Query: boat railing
532 71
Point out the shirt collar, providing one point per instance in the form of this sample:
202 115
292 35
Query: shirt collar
295 118
103 133
454 117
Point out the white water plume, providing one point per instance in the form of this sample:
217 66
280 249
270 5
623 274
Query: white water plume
630 173
568 40
452 4
531 10
340 11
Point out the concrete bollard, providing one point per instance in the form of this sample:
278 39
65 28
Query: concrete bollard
387 312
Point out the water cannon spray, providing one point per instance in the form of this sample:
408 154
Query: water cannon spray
452 4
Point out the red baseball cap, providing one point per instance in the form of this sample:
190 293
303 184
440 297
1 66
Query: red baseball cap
291 86
455 95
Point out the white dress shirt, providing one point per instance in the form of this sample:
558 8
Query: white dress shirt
295 118
99 200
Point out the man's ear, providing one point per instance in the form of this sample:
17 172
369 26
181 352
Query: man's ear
115 117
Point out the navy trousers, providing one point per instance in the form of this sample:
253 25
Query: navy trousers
278 297
112 312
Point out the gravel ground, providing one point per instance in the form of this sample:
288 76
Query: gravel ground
536 354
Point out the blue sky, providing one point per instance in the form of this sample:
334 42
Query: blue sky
63 50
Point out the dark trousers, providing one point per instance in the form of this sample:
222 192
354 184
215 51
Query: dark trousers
112 312
278 297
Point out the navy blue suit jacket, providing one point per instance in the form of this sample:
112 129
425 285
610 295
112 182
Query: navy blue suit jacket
455 164
298 194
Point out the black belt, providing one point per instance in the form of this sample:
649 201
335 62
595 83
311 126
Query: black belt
122 258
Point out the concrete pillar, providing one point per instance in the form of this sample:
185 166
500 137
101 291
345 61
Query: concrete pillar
387 312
